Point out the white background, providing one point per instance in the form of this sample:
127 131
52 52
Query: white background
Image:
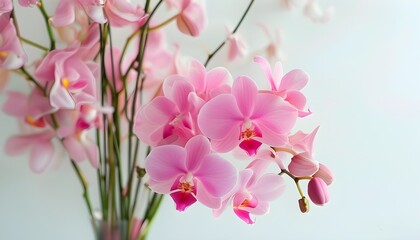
364 92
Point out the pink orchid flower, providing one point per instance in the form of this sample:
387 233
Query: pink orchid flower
65 13
32 108
246 118
72 80
74 129
6 6
254 191
287 86
38 144
123 13
325 174
303 142
209 84
190 174
169 119
273 49
237 47
192 18
28 3
12 55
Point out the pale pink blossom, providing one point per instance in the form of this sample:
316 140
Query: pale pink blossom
318 191
72 80
121 13
207 84
65 13
287 86
28 3
74 129
12 55
190 174
246 118
31 109
237 47
254 191
273 49
39 145
169 119
192 18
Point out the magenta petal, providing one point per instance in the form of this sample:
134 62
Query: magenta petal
166 163
243 215
197 147
183 200
219 116
250 146
245 92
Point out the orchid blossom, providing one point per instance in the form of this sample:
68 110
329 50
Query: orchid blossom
246 118
191 173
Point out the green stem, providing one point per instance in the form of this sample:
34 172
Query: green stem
34 44
234 31
84 185
151 29
150 215
49 29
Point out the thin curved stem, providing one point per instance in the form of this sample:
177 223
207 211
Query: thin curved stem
211 55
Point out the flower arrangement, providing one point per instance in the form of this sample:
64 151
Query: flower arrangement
152 122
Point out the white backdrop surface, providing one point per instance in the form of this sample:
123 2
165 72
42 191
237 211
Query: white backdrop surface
364 92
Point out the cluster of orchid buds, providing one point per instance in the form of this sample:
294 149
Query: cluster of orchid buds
95 99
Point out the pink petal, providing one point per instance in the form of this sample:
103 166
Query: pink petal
325 174
41 155
245 92
218 80
16 104
219 116
75 149
151 119
197 74
16 145
294 80
228 143
197 147
92 153
177 89
166 163
64 14
192 19
217 175
269 187
274 117
265 66
303 165
296 98
60 97
206 198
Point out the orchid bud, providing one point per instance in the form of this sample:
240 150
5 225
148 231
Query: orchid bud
317 191
303 205
325 174
192 18
303 165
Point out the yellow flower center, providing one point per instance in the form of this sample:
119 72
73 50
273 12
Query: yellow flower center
65 82
4 54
